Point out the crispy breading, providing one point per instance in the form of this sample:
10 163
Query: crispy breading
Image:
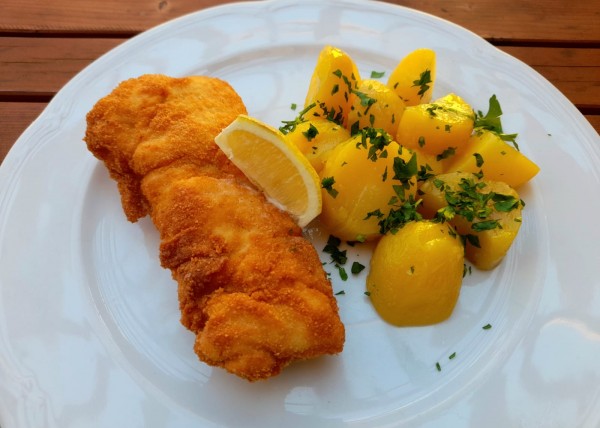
250 286
155 120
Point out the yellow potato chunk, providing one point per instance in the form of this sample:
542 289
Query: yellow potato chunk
374 104
333 79
441 128
360 186
428 163
414 77
486 213
496 159
416 274
316 138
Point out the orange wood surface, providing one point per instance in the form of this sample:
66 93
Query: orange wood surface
44 44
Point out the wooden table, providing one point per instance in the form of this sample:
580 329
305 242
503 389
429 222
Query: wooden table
43 44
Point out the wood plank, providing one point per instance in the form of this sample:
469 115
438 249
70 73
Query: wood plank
41 66
574 71
508 20
14 119
595 121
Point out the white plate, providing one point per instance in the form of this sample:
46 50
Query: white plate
89 330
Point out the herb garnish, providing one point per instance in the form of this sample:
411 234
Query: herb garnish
365 100
311 132
289 125
478 160
338 257
423 82
376 140
332 248
357 268
491 122
327 184
470 201
450 151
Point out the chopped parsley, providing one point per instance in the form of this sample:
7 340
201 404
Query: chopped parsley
338 257
377 74
365 99
357 268
450 151
290 125
376 141
311 132
491 122
487 327
327 184
423 82
333 249
399 215
478 160
470 201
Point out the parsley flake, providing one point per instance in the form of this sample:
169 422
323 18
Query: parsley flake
423 82
357 268
311 132
332 248
450 151
478 160
491 122
290 125
327 184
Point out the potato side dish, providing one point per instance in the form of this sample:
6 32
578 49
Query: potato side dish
432 182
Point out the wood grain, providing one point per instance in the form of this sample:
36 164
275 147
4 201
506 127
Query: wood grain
574 71
516 21
40 67
14 119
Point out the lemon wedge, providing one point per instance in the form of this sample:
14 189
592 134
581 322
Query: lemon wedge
275 165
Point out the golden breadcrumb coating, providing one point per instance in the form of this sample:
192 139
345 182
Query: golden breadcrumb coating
250 286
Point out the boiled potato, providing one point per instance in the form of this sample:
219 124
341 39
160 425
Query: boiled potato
414 77
360 186
375 105
316 138
333 79
497 160
486 213
416 274
429 163
441 128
